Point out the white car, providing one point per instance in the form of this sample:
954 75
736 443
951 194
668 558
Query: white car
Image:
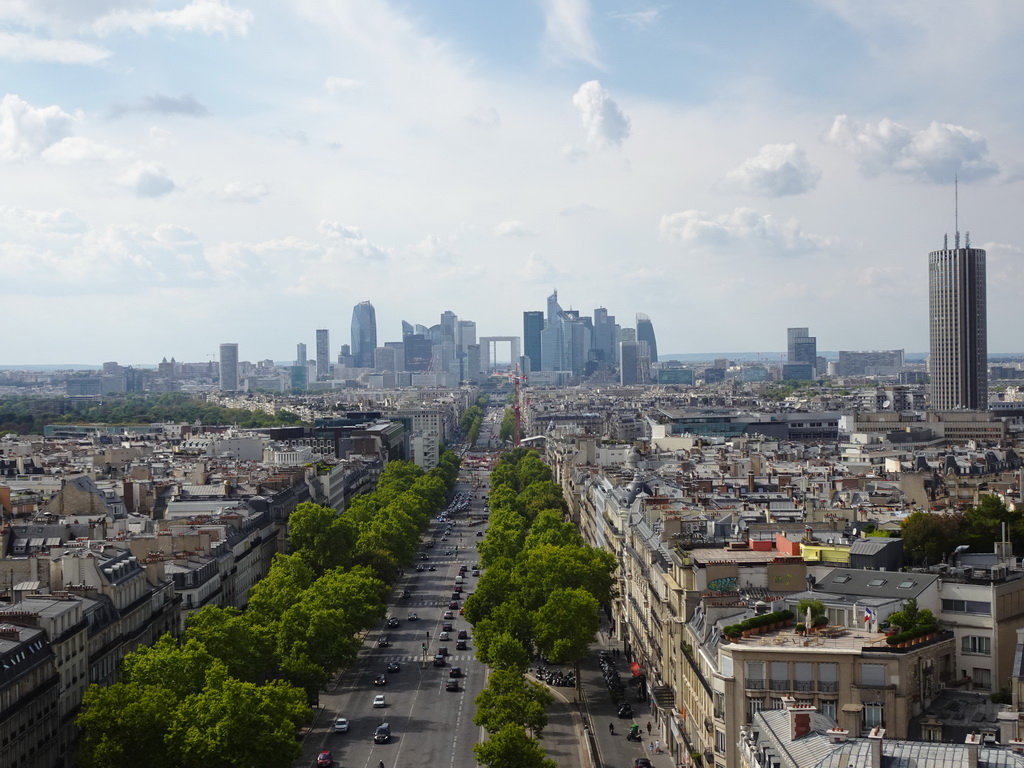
378 701
443 636
341 725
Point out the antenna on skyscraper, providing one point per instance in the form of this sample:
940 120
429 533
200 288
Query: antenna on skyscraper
956 209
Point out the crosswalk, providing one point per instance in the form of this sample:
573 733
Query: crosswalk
453 659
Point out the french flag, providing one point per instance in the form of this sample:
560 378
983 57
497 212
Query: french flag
867 614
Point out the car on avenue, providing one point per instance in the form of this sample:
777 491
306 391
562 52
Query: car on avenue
378 701
455 672
325 759
380 679
412 617
451 685
341 725
394 666
460 645
393 622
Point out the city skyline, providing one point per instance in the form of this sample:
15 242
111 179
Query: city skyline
210 169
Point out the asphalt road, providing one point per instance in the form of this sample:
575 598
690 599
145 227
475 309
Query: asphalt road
430 726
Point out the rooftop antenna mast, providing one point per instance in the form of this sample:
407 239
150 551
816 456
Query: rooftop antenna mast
956 210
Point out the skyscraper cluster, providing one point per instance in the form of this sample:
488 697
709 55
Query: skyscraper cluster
569 344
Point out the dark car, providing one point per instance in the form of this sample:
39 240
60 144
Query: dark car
394 666
439 660
642 762
463 569
454 604
420 568
460 645
446 626
380 680
431 568
480 534
456 596
448 552
476 571
463 634
458 589
451 685
455 672
412 617
424 555
443 651
392 622
382 641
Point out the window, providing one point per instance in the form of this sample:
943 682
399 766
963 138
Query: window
753 707
780 675
967 606
873 715
909 584
981 679
755 674
977 644
872 674
877 582
828 708
837 616
840 579
720 742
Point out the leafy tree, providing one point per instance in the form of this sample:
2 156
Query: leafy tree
245 647
547 568
508 426
181 669
984 523
492 589
321 536
122 722
509 653
269 598
511 698
929 536
511 748
566 624
531 469
233 723
549 528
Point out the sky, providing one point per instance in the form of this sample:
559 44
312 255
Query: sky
181 173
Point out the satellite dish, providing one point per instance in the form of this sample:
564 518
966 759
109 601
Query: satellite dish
887 404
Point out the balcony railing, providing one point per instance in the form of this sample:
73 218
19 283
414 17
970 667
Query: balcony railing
828 687
782 685
803 685
757 685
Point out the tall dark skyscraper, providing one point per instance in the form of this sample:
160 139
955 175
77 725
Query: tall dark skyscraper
645 332
958 327
229 367
364 334
300 354
533 324
323 354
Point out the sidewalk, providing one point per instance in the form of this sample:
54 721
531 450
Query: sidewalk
577 732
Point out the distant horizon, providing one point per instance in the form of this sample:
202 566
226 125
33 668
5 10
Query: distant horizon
766 358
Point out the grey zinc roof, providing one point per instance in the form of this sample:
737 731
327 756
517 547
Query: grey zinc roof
870 545
917 754
888 584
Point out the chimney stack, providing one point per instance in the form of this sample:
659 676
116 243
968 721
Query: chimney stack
875 739
973 742
799 717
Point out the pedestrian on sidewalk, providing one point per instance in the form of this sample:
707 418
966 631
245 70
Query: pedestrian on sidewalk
652 747
657 747
648 727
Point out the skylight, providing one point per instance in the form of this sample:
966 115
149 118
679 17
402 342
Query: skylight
906 584
840 579
877 582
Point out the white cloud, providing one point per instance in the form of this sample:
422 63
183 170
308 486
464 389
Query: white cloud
512 229
605 124
206 16
26 131
159 104
777 170
239 192
743 229
487 118
18 222
25 47
351 243
934 154
336 85
147 180
639 19
567 30
538 269
77 149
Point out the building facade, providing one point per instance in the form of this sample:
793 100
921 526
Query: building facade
229 367
364 334
958 327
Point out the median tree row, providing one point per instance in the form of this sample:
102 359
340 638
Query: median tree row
472 419
236 687
539 594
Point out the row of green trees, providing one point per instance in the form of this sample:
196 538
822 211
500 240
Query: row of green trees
234 689
928 537
28 416
540 593
472 418
508 426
